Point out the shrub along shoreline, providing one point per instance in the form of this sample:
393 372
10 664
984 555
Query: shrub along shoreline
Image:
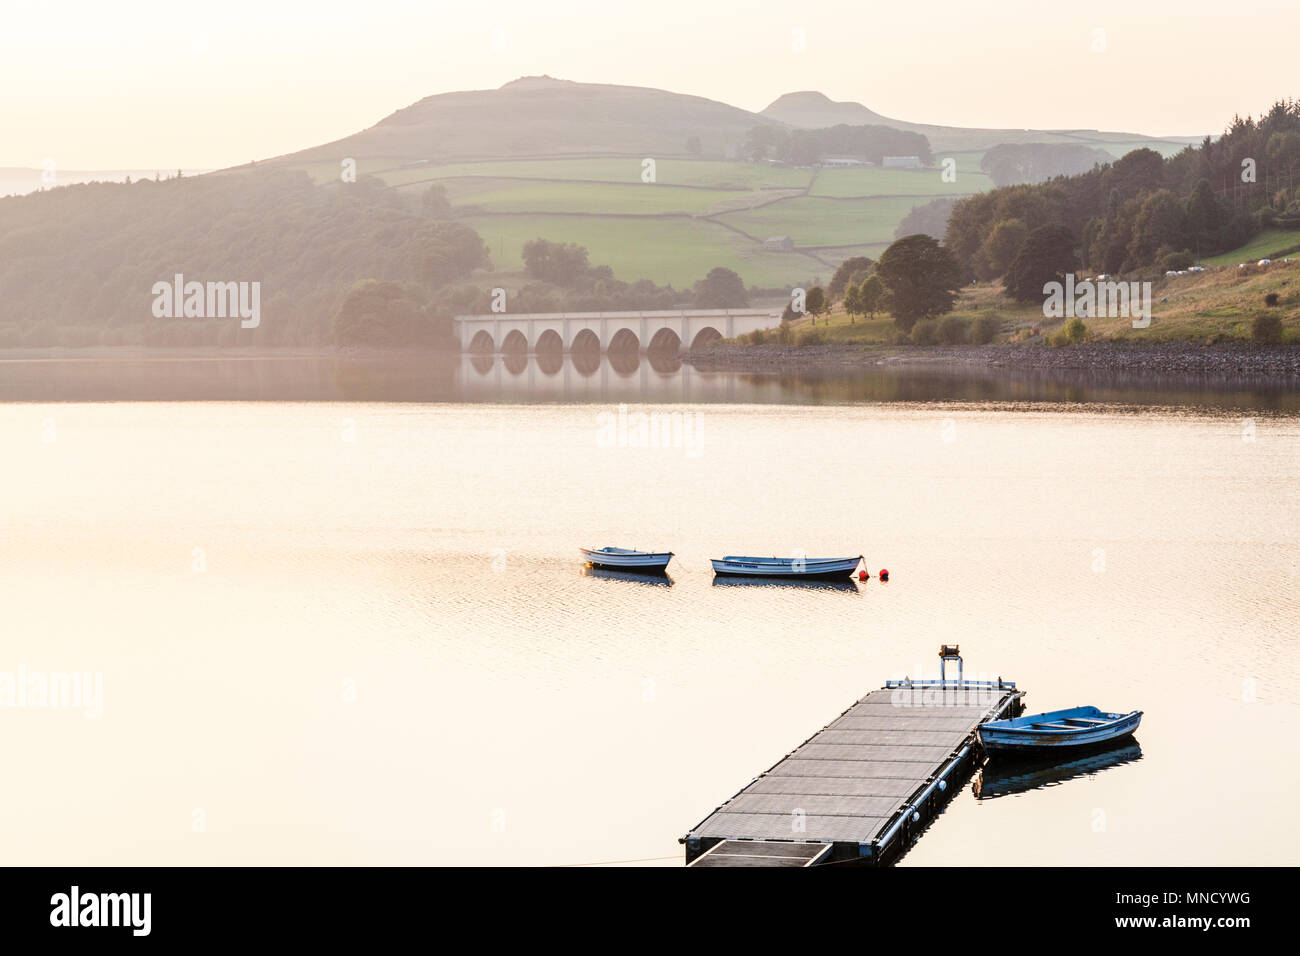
1248 360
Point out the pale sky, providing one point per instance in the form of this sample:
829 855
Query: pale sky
176 83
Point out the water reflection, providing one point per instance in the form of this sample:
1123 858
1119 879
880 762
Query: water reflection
660 579
582 376
1006 778
727 581
550 361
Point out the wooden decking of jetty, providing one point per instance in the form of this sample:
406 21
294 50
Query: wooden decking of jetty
858 789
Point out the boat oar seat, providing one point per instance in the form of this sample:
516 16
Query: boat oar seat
1086 721
1054 727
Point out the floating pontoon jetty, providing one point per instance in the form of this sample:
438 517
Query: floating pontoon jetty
863 786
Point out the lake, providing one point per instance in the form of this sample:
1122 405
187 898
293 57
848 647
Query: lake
348 622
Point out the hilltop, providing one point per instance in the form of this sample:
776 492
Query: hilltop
543 116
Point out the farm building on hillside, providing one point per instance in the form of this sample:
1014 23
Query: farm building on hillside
779 244
902 162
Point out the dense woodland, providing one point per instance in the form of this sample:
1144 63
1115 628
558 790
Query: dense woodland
347 264
1143 212
78 263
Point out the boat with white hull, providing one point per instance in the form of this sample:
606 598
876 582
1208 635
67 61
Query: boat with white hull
789 568
626 559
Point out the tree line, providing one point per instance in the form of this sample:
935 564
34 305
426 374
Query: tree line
1143 211
804 147
78 263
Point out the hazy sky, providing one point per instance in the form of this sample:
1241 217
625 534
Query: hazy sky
147 83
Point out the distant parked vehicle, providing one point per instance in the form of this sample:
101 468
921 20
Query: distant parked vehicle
1264 262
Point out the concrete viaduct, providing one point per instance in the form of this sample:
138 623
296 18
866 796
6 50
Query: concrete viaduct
673 331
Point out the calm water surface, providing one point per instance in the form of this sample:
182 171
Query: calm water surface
351 632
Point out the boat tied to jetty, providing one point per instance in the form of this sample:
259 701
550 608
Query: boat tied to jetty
1057 730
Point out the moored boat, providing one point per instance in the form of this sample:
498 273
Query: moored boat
626 559
796 568
1056 730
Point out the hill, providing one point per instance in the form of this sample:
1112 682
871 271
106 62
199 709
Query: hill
549 158
546 158
812 110
541 116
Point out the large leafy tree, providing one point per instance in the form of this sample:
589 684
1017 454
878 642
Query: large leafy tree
384 313
922 278
1160 224
1202 215
852 302
561 263
815 302
721 289
1003 243
871 295
1046 255
847 273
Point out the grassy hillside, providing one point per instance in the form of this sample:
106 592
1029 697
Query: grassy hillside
546 158
1214 306
670 250
927 183
697 214
1269 243
709 174
817 221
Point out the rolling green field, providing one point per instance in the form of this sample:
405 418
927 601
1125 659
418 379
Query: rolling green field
671 251
812 221
514 195
712 174
869 181
697 214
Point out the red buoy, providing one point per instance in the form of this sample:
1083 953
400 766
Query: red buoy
862 575
884 574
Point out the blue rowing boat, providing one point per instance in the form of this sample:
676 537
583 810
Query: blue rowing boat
1056 730
788 568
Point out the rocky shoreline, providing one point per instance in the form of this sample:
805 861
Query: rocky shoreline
1235 359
